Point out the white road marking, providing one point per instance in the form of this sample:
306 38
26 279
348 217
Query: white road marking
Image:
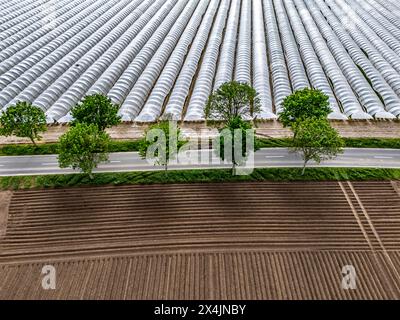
115 161
49 163
382 157
274 157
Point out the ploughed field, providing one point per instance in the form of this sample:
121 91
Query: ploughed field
203 241
167 56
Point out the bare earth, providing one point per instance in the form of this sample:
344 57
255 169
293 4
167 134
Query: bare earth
350 129
204 241
5 198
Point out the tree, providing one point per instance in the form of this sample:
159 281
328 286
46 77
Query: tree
234 136
162 143
232 99
316 140
304 104
96 109
23 120
83 146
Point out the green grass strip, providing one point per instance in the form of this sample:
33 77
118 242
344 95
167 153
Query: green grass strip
374 143
132 145
198 176
52 148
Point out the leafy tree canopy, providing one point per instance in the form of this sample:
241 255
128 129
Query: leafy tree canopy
83 147
23 120
235 132
162 143
232 99
316 140
96 109
304 104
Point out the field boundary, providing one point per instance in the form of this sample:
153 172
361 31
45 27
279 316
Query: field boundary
197 176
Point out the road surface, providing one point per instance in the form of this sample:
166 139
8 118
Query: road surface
264 158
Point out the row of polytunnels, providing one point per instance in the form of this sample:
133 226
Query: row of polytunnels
167 56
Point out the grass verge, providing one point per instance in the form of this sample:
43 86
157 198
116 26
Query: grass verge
133 145
374 143
52 148
197 176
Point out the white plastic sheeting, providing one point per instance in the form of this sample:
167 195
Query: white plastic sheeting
367 96
31 19
17 17
376 49
22 74
369 26
261 78
39 77
369 13
140 49
167 56
140 30
294 61
228 51
15 49
378 75
280 79
386 10
342 88
315 70
139 93
47 99
243 51
176 100
391 7
151 110
122 75
204 81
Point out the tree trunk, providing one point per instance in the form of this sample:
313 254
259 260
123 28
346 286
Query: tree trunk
304 168
33 141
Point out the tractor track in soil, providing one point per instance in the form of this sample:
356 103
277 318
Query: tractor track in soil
204 241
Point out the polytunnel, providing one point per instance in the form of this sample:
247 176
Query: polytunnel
165 57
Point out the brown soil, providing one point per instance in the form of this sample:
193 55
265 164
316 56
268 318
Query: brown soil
126 131
5 198
204 241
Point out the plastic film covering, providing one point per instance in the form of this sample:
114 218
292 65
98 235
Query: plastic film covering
280 79
124 78
152 109
243 55
261 78
384 79
226 61
204 82
139 93
341 87
177 98
367 96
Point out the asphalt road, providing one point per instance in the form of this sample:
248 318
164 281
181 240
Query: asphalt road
265 158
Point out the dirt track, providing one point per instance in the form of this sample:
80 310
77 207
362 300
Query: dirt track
204 241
